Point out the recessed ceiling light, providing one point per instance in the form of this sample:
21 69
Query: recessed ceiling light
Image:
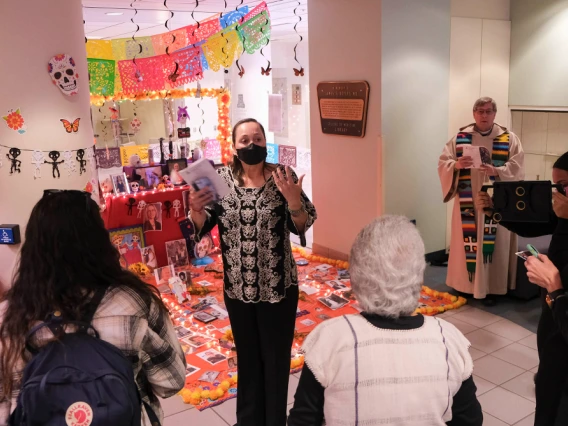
114 13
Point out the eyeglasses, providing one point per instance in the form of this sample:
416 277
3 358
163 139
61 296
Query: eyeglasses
87 195
484 111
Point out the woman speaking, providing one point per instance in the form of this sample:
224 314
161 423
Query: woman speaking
265 204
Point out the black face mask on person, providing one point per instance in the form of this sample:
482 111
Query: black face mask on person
252 154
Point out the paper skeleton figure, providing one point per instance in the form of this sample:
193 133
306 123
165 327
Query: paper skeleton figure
13 155
69 163
37 160
54 155
178 288
82 162
141 207
130 204
177 206
64 74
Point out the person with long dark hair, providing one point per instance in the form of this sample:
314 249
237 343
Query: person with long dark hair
264 205
66 259
551 381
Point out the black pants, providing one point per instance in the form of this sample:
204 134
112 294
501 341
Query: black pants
264 333
551 386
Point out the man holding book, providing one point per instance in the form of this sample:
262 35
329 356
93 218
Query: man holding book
480 249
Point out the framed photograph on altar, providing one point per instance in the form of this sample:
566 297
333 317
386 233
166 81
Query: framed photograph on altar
129 242
120 184
152 176
174 166
177 253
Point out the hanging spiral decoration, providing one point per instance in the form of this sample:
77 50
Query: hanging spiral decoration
298 72
241 69
137 74
174 75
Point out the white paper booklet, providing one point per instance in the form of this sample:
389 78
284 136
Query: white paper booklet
480 155
202 174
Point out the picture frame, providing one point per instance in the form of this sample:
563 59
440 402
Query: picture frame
174 166
176 252
129 242
163 275
151 175
120 184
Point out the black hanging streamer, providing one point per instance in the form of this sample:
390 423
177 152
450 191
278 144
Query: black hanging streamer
241 69
224 38
137 74
85 34
173 76
103 123
266 71
202 114
298 72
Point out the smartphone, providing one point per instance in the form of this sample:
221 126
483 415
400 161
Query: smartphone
532 249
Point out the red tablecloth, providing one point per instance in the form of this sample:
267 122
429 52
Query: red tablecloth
116 216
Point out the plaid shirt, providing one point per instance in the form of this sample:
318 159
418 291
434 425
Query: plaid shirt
143 334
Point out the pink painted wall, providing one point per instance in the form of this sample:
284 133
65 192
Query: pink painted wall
345 44
33 31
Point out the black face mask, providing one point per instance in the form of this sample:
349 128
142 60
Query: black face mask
252 154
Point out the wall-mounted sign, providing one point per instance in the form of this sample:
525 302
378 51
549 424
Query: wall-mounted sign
9 234
343 107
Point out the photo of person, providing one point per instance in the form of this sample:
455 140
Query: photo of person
120 184
151 175
337 285
209 376
232 362
190 369
197 340
212 356
182 332
174 167
333 301
185 278
149 257
153 217
177 253
204 317
163 275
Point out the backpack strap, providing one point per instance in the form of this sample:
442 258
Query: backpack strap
94 305
154 420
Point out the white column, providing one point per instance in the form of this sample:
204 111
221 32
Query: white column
345 44
32 32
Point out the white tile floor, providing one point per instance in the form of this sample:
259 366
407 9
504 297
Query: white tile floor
505 360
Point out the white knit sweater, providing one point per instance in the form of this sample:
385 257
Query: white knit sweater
376 376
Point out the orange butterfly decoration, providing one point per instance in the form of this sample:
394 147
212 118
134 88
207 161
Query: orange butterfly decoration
299 72
266 71
71 127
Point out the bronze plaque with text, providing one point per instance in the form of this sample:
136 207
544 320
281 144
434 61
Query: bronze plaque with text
343 107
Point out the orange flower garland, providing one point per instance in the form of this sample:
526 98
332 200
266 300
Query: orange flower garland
223 103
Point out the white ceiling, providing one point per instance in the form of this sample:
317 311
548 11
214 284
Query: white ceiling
152 16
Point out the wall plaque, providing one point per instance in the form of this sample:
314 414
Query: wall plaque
343 107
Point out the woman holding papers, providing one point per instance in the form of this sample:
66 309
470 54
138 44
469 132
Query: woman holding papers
264 205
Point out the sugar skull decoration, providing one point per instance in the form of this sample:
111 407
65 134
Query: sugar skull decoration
63 72
135 187
135 125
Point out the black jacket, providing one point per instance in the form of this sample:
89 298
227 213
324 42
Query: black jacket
552 334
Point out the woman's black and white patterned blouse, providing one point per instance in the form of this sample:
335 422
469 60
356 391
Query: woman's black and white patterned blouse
254 227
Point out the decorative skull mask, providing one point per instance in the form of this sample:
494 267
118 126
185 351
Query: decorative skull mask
177 204
142 205
135 186
135 125
64 74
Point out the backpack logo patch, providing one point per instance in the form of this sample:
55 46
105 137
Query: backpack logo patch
79 414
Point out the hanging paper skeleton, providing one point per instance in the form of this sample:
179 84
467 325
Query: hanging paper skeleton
54 155
69 162
37 160
82 162
177 206
130 205
116 127
13 155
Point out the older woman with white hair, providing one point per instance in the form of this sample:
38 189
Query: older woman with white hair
387 365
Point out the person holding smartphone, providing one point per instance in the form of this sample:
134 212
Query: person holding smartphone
550 273
264 205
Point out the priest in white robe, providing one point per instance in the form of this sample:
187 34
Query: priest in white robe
482 253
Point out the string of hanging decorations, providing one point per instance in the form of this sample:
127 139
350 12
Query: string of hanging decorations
165 61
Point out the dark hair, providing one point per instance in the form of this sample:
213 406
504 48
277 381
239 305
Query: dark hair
67 255
562 162
236 165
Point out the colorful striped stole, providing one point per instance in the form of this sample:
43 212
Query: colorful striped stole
499 157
